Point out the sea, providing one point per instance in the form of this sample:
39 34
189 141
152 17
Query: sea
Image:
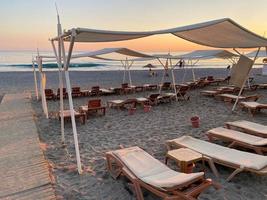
22 61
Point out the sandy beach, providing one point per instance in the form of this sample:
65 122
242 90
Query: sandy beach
146 130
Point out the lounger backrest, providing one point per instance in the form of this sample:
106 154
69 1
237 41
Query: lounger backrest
166 84
94 103
95 88
153 96
64 91
124 85
183 90
76 89
48 91
224 154
210 78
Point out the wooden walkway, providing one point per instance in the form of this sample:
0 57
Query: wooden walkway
24 172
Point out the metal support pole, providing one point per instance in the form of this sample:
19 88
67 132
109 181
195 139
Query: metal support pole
244 82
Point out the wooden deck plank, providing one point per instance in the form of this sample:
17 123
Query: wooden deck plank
24 172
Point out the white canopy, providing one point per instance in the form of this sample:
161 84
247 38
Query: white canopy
208 54
262 53
222 33
123 51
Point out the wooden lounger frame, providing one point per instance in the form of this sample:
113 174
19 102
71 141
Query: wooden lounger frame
238 169
116 168
252 110
235 143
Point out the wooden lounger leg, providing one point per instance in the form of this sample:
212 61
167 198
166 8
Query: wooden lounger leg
232 144
115 174
137 187
212 166
237 171
203 186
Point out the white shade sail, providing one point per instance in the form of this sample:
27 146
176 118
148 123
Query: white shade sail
222 33
208 54
123 51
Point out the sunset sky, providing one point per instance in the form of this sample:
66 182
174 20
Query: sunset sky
28 24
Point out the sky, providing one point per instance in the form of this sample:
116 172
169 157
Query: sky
28 24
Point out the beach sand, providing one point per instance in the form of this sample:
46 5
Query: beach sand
146 130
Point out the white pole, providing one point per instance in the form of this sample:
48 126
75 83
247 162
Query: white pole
129 72
35 81
244 82
60 76
193 72
68 84
124 71
45 109
41 85
163 76
173 80
185 71
59 63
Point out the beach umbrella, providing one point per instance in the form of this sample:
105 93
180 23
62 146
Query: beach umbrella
149 66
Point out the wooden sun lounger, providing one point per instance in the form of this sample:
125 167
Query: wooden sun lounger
67 116
213 153
65 94
76 92
143 101
236 138
248 127
232 98
153 99
253 106
106 91
166 97
182 92
166 86
49 94
146 172
150 87
121 103
93 106
220 90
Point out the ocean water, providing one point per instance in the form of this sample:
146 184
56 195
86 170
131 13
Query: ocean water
22 61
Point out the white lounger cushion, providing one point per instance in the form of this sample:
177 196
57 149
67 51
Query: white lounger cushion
209 91
232 156
252 104
231 96
141 99
152 171
116 101
239 136
250 126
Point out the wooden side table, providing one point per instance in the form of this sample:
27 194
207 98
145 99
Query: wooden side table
184 158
